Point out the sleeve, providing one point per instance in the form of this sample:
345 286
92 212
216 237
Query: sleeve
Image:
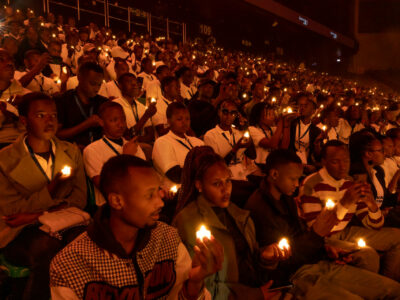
164 155
62 293
369 219
92 161
256 135
182 268
310 204
103 91
210 140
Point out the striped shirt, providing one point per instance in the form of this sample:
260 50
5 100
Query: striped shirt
319 187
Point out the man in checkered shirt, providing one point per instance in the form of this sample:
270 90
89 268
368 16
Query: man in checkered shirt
126 253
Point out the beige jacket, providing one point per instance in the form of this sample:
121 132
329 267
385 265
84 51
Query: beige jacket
23 188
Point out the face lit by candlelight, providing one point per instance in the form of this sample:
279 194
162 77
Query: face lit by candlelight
216 185
286 177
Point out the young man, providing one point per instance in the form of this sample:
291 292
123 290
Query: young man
126 252
153 89
31 184
303 132
138 117
170 93
77 109
111 89
114 126
187 87
170 150
147 73
229 143
275 215
333 182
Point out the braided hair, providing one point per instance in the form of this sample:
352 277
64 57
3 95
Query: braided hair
197 162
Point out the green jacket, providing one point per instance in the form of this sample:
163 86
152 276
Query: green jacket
224 284
23 188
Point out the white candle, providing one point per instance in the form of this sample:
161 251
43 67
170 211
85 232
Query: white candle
203 232
273 99
66 170
283 244
64 69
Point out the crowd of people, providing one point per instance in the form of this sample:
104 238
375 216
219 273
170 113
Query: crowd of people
292 174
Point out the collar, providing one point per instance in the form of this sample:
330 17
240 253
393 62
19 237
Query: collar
100 232
174 136
53 145
126 102
220 130
329 179
166 100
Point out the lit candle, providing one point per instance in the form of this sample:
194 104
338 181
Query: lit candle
283 244
53 35
265 89
107 34
339 104
66 171
18 10
41 24
203 232
285 90
323 127
57 80
153 100
273 99
318 115
72 47
233 126
361 243
244 96
289 110
154 63
321 106
114 37
330 204
174 189
357 104
246 135
194 56
64 69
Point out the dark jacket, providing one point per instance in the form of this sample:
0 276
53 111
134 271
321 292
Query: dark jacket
314 132
277 219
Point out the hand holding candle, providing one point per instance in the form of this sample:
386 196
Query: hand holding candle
284 244
361 243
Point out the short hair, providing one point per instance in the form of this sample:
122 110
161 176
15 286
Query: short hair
124 76
116 169
167 81
182 71
119 61
256 112
280 157
173 107
331 143
107 105
161 69
32 52
88 66
28 99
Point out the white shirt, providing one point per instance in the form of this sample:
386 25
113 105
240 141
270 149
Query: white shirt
110 89
147 80
39 83
46 165
345 130
73 82
187 92
169 150
154 90
257 135
160 118
132 110
222 142
96 154
390 167
302 140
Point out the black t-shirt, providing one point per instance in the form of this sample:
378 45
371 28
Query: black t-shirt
70 114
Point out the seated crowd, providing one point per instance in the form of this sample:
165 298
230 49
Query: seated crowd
294 172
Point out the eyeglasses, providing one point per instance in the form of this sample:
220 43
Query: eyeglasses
231 112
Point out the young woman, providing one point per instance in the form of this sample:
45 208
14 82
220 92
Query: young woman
205 200
263 132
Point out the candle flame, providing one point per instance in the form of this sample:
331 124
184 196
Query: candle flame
330 204
64 69
323 127
246 135
361 243
283 244
203 232
273 99
153 100
174 189
289 110
66 170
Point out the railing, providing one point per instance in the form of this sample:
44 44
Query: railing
134 17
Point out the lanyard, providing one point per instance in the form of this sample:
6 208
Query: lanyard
304 134
116 83
111 146
233 138
40 85
84 114
38 164
184 145
269 129
135 111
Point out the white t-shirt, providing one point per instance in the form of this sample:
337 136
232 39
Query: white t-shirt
345 130
170 150
302 141
147 80
333 133
96 154
73 82
131 111
187 92
257 135
40 83
154 90
390 167
380 193
160 118
110 89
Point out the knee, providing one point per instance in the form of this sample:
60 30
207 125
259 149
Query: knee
368 259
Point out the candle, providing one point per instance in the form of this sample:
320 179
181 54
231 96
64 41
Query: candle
318 115
321 106
41 24
273 99
66 170
203 232
357 104
265 89
72 47
233 126
246 134
57 80
285 90
289 110
153 100
361 243
107 34
154 63
114 37
244 96
339 104
174 189
330 204
53 35
64 69
323 127
283 244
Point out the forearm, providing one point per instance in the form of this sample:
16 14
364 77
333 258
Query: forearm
286 138
28 77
